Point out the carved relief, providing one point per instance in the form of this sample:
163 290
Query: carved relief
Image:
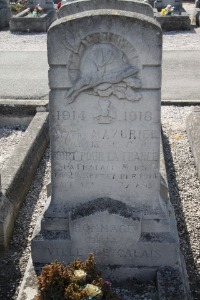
104 66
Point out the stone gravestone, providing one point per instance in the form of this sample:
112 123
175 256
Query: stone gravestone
71 7
179 20
23 22
5 13
105 103
196 13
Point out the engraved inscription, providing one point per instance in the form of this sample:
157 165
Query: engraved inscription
106 252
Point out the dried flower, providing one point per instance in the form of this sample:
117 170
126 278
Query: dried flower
93 291
80 275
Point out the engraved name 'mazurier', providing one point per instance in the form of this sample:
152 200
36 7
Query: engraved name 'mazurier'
105 71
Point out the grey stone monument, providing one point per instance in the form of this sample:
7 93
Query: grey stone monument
22 22
193 133
196 13
179 20
107 195
71 7
5 13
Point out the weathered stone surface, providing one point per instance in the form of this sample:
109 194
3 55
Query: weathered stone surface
71 7
107 195
22 23
193 133
197 4
177 21
19 171
159 4
196 16
5 13
171 285
47 4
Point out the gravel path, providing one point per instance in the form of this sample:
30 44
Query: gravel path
9 138
184 188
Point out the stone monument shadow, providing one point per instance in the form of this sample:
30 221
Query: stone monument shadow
181 223
8 259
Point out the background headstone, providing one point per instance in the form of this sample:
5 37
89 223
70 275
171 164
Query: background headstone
71 7
5 13
105 103
159 4
47 4
28 23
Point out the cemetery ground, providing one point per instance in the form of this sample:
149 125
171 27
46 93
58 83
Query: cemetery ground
183 181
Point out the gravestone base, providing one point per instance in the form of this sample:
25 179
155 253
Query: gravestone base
22 23
172 283
177 21
124 245
5 15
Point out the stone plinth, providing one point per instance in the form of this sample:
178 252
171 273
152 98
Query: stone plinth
177 21
71 7
5 13
21 22
159 4
107 196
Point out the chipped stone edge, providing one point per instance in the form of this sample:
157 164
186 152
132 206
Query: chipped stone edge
17 174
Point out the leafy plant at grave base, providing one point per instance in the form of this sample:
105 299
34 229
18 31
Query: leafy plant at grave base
19 6
80 280
168 10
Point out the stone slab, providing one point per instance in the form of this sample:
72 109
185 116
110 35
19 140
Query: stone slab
159 4
193 133
22 23
166 278
196 16
72 7
20 111
19 171
5 16
170 282
177 21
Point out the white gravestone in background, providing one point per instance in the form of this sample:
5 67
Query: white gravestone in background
105 99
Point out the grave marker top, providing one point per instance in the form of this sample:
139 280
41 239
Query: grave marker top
46 4
105 108
71 7
160 4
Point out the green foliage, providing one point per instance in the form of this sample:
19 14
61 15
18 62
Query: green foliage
18 6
